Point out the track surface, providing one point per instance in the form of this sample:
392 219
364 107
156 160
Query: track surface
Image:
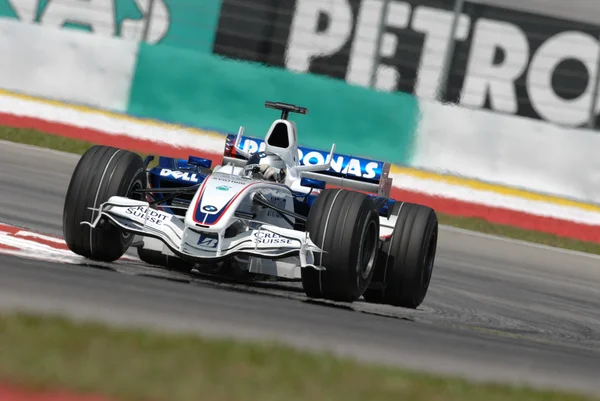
497 310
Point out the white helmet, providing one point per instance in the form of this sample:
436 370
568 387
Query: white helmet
265 166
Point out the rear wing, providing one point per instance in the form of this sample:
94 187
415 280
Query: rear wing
345 171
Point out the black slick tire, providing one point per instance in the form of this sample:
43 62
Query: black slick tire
405 262
102 172
345 224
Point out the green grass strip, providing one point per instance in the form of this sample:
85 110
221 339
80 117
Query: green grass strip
37 138
127 364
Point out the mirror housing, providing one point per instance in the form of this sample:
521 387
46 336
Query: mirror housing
200 161
312 183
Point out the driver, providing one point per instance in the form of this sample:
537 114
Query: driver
267 166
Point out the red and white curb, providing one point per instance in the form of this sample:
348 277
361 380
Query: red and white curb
29 244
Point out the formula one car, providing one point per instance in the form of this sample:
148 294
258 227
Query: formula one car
265 210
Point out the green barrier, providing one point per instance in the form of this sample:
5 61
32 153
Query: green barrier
183 23
206 91
7 10
193 24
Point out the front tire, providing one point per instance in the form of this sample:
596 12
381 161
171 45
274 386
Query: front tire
345 224
101 172
406 260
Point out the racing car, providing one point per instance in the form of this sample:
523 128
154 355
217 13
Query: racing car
270 208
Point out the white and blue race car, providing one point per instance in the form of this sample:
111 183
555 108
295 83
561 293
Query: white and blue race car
265 210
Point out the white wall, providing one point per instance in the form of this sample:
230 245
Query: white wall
514 151
67 65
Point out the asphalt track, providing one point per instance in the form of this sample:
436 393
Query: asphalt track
497 310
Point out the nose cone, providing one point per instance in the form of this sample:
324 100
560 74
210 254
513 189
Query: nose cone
216 201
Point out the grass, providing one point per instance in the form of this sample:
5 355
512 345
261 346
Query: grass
37 138
126 364
33 137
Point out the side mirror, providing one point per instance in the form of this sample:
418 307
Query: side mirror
200 161
147 160
312 183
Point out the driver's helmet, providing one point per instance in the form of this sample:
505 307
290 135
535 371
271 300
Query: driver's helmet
258 163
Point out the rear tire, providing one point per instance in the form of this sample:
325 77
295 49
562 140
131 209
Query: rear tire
101 172
157 258
345 224
406 261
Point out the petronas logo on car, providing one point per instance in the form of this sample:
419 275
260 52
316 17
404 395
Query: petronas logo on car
387 259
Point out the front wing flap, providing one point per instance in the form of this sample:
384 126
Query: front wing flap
265 241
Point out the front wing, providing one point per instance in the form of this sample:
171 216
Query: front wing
266 241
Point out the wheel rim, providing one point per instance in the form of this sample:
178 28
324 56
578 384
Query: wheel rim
367 251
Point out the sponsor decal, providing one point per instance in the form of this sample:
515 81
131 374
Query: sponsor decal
209 208
340 164
208 242
267 238
229 180
505 60
153 21
223 188
125 20
179 175
153 217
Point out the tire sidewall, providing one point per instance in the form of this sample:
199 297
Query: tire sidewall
102 172
428 258
118 239
339 222
370 221
414 284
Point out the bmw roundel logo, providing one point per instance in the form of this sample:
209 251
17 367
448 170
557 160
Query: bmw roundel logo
209 208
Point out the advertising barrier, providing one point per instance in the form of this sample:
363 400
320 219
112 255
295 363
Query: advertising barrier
66 65
182 23
217 94
209 92
512 151
508 56
504 59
